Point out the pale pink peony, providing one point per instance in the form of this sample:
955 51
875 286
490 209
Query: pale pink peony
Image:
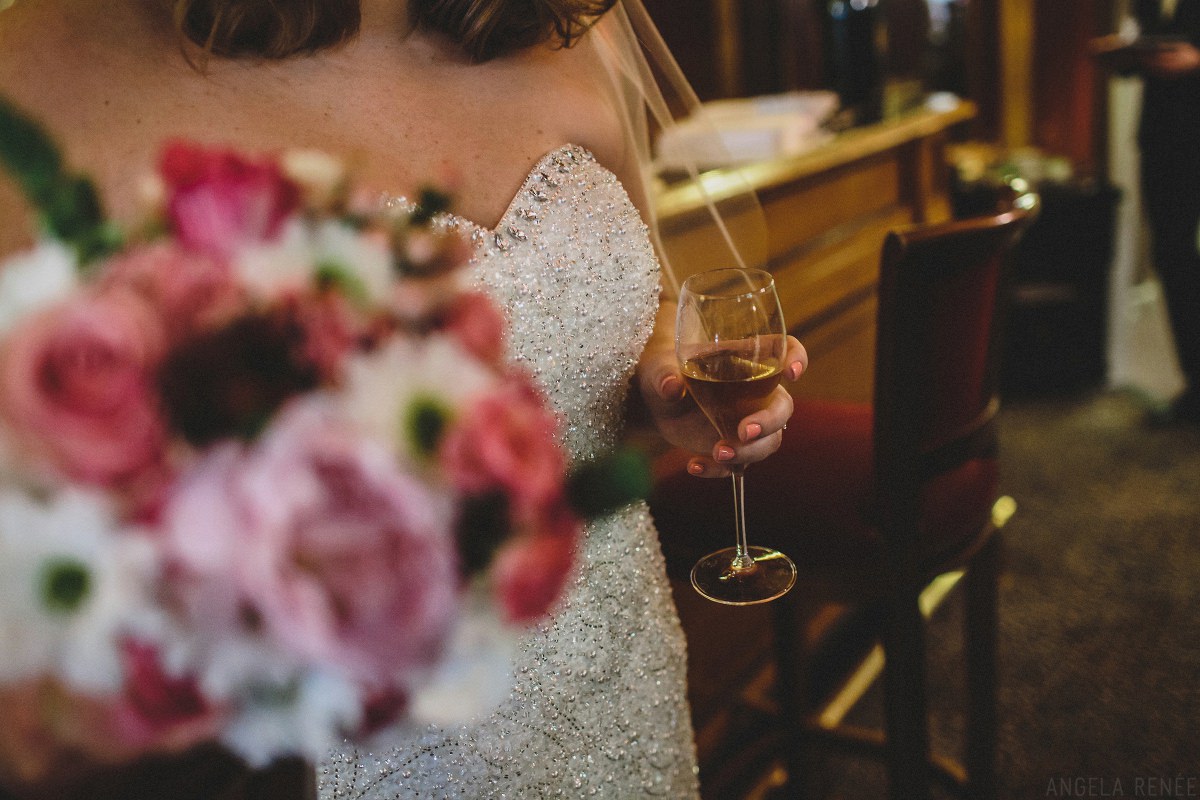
186 287
505 440
76 386
315 540
218 200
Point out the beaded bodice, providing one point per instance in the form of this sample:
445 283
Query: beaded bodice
597 708
572 265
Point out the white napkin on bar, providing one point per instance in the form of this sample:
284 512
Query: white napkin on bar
732 132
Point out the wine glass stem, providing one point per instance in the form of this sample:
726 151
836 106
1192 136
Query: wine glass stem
742 560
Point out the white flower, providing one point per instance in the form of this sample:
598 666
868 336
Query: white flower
366 258
70 585
281 266
320 175
294 260
304 716
383 388
277 704
476 671
34 280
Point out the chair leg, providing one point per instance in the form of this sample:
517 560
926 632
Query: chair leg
794 705
980 638
905 707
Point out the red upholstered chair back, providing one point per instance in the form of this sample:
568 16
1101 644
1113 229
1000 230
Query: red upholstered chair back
936 372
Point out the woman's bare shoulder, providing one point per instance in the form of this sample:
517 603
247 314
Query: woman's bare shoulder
569 89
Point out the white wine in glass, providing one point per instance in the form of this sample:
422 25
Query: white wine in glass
731 342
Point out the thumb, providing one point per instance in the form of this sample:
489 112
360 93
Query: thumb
671 387
661 382
666 385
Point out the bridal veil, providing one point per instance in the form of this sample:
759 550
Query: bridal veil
652 95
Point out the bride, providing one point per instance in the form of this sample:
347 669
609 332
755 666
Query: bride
513 99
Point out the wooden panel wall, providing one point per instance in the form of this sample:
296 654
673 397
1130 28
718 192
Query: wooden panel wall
1026 65
690 30
1070 93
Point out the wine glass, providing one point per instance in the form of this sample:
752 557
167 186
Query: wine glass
731 342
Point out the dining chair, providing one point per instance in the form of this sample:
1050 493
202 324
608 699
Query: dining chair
883 506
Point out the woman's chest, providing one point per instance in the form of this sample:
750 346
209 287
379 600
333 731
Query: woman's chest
395 132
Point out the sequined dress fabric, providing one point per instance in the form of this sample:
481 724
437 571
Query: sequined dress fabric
598 708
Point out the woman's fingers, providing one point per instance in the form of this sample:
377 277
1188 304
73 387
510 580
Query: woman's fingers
748 453
725 455
796 360
770 420
759 434
705 467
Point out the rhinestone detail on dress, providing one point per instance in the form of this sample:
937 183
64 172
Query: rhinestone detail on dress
598 707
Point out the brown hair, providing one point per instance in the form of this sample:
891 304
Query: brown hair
484 29
268 28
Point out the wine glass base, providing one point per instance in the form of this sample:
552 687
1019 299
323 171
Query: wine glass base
771 576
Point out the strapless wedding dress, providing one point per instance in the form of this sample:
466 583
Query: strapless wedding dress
598 707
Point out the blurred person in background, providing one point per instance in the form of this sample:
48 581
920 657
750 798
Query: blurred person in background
1166 55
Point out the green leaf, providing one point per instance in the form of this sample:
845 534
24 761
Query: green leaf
484 524
615 480
430 203
333 275
28 152
68 205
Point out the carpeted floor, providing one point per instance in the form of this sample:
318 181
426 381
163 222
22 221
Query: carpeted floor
1100 609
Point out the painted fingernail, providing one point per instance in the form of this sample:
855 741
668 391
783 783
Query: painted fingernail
797 369
753 431
725 454
696 468
671 387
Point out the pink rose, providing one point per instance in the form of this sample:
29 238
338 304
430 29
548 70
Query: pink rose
506 440
76 386
332 331
420 301
186 287
314 539
530 572
475 322
157 710
219 200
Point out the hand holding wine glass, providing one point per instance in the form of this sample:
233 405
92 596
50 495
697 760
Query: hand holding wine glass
731 343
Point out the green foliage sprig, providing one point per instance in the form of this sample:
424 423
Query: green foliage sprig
68 205
614 480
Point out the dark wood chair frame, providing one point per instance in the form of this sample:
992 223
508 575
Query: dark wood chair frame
913 261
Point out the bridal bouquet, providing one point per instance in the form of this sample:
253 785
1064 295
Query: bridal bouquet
265 476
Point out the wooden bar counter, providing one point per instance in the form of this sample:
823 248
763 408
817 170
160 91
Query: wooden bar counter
827 213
